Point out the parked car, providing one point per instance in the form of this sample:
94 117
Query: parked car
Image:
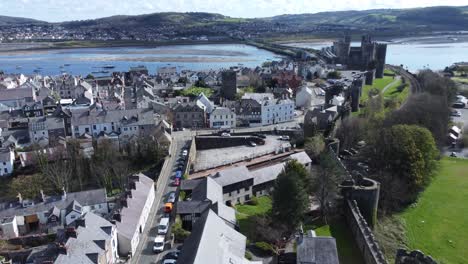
252 144
171 197
184 152
172 255
455 113
363 165
176 182
178 174
458 105
225 134
346 152
453 154
158 245
284 138
354 151
169 261
163 226
259 135
167 208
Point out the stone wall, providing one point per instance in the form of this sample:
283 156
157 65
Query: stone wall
363 235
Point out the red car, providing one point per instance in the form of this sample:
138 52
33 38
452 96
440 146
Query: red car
176 182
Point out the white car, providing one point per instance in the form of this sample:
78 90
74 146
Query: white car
284 138
163 226
171 198
169 261
225 134
158 245
184 152
252 144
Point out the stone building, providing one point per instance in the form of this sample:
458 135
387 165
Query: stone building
229 87
189 115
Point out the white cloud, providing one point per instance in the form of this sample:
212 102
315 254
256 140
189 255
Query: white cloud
60 10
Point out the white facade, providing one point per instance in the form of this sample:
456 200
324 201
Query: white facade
277 111
9 227
304 97
222 117
6 162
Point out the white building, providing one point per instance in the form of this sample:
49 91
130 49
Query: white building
273 111
304 97
205 103
222 117
133 217
7 158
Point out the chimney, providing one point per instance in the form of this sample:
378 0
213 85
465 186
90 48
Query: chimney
20 198
64 195
43 197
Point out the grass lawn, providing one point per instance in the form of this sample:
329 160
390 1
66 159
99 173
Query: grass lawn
378 83
245 212
348 251
438 223
393 93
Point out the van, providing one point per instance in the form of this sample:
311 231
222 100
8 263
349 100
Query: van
158 245
163 226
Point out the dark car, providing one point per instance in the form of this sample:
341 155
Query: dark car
459 105
346 153
172 255
259 135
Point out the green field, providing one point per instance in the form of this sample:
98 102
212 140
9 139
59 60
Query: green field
378 83
393 93
438 223
348 251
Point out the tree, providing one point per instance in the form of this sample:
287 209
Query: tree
334 75
29 186
404 157
325 184
58 172
352 130
314 146
290 197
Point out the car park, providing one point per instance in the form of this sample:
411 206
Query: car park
163 226
171 197
158 245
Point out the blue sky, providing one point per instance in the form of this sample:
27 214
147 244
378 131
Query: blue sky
65 10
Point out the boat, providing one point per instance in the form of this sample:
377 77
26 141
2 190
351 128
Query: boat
18 67
66 64
98 72
108 66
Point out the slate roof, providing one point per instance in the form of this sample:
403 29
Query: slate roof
232 175
88 117
213 241
130 215
317 250
89 243
85 198
270 173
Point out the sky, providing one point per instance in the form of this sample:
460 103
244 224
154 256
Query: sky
66 10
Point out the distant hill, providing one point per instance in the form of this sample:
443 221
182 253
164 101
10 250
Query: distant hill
8 21
390 21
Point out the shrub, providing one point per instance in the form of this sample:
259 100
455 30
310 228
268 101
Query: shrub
248 255
265 247
180 234
253 201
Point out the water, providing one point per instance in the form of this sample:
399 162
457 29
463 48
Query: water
87 60
416 56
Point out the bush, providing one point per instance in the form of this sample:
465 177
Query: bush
248 255
180 234
265 248
334 75
253 201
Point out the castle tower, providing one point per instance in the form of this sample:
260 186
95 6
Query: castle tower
380 56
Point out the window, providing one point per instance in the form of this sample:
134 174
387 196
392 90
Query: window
5 169
105 128
92 207
43 133
73 216
238 191
230 194
94 127
34 132
125 129
246 189
247 197
87 130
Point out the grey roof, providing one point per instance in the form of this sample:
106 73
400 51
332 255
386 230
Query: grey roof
46 123
213 241
5 155
270 173
317 250
192 207
89 243
95 116
84 198
130 215
222 111
232 175
16 94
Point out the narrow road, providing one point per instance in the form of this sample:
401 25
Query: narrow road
397 78
144 252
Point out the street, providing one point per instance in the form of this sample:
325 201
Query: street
144 253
